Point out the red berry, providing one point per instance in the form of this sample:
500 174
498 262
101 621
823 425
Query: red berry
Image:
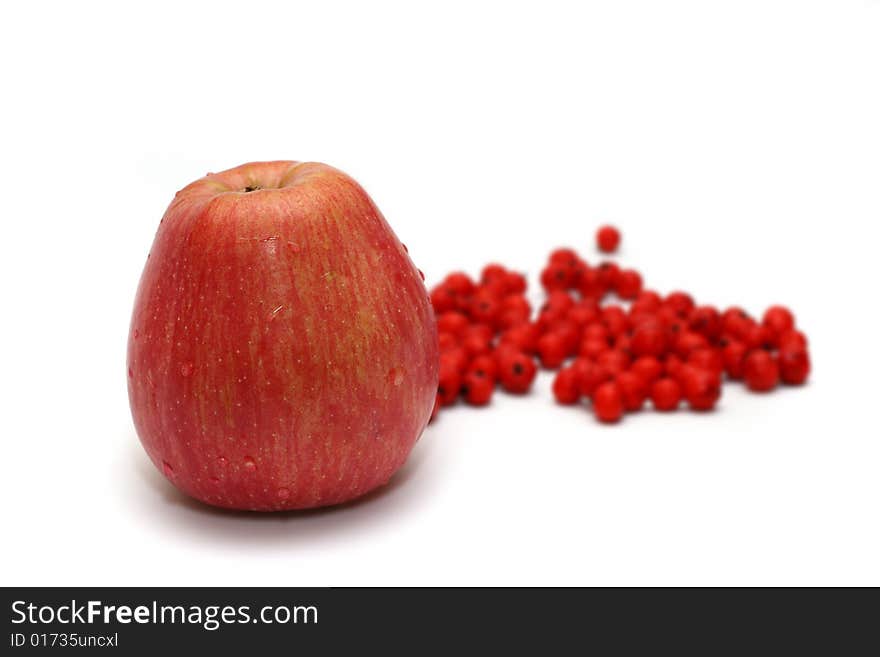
515 283
792 340
608 402
629 284
570 332
733 353
596 331
476 389
689 341
756 336
607 239
582 313
649 339
673 365
592 347
475 344
589 375
556 277
484 365
443 299
623 343
648 368
446 341
516 302
633 390
516 371
524 337
608 273
669 318
647 301
613 361
484 307
566 387
702 388
493 273
680 302
589 283
449 383
778 319
564 256
552 350
515 309
666 394
559 301
460 283
482 331
452 322
761 371
706 321
734 321
456 357
615 320
706 358
547 317
794 366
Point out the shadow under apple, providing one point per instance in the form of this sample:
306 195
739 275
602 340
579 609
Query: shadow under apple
165 505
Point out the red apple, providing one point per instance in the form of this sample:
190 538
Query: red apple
283 351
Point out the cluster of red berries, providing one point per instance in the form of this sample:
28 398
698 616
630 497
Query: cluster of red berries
665 349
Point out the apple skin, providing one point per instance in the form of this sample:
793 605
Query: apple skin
282 352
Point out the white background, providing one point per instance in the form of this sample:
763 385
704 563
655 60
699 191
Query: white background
736 143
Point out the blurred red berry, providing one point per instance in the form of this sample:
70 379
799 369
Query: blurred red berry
793 339
680 302
457 357
629 284
566 387
476 389
516 371
733 353
608 274
760 371
449 383
607 239
484 365
707 358
515 283
522 336
460 283
564 256
484 307
706 321
615 319
794 366
633 390
666 394
589 375
446 341
613 361
452 322
648 368
702 388
778 319
443 299
689 341
551 350
648 339
608 402
493 273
